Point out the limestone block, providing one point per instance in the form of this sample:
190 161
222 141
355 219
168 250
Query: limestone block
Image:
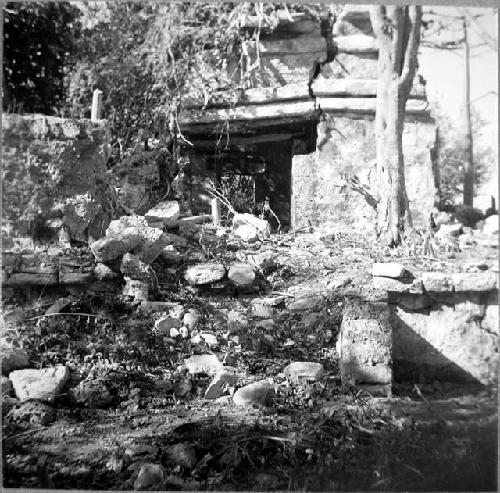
13 359
138 289
113 247
241 274
437 282
262 226
222 381
254 394
203 363
365 343
304 371
152 240
389 284
132 266
388 269
167 213
447 343
474 281
201 274
44 384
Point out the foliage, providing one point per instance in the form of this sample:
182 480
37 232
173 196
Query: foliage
39 42
145 58
451 156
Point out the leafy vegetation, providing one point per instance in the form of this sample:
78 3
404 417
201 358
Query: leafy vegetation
40 40
451 156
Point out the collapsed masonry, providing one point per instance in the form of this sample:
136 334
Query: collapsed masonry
309 144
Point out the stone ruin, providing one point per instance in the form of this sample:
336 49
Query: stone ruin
306 144
314 167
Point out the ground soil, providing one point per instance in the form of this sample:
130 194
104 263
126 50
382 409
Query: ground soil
430 436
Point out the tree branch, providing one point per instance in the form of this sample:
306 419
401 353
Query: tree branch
410 55
487 38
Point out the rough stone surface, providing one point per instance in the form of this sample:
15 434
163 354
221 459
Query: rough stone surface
224 379
56 168
198 275
306 303
455 340
191 319
139 290
152 240
150 477
254 394
301 372
176 240
104 273
113 247
13 359
8 403
149 307
262 310
203 363
262 226
246 233
44 384
132 266
413 301
182 454
241 274
437 282
364 343
389 284
91 393
7 388
32 414
321 194
166 213
58 306
388 269
477 281
236 320
164 324
209 339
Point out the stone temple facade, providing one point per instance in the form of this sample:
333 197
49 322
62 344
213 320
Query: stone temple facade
306 141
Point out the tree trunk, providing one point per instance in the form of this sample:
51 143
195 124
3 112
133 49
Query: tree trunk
398 34
468 193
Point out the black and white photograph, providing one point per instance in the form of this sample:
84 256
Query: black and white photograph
249 246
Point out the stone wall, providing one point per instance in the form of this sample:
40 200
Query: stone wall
335 184
54 174
449 331
437 326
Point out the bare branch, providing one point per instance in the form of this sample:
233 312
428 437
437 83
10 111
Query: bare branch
410 55
487 38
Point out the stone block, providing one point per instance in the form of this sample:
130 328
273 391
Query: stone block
133 267
474 281
203 363
201 274
388 269
304 371
167 213
13 359
254 394
365 343
44 384
113 247
437 282
241 274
